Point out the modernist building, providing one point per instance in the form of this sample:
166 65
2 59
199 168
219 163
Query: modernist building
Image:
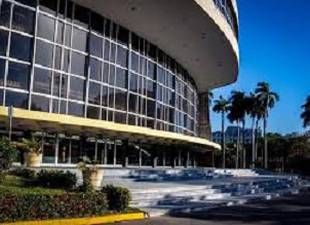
122 82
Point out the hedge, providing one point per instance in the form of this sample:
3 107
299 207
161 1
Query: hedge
7 156
56 179
39 207
118 197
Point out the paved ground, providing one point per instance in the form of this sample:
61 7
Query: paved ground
294 210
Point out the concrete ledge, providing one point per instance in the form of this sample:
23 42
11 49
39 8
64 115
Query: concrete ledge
85 221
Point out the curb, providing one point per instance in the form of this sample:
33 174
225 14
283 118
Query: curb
84 221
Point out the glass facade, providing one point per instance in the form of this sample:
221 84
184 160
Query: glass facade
59 57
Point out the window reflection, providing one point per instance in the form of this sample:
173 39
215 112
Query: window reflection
5 10
18 75
2 70
44 53
46 26
21 47
23 19
39 103
77 86
42 81
15 99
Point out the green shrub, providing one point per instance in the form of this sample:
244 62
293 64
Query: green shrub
24 173
15 207
56 179
7 156
118 197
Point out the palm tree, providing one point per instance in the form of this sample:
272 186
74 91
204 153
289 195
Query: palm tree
267 100
236 113
221 106
305 115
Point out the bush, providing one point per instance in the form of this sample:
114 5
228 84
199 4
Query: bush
118 197
7 156
24 173
14 207
56 179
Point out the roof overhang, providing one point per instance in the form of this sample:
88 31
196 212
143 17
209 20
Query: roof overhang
194 32
50 122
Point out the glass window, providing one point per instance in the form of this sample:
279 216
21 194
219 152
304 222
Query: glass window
56 84
120 99
5 14
119 117
21 47
68 32
46 26
57 64
95 69
95 45
60 32
31 3
94 93
122 56
75 109
151 72
133 82
49 149
66 60
104 96
2 71
77 87
78 64
134 62
79 39
48 6
42 81
18 100
44 53
39 103
121 78
133 103
81 16
107 29
23 19
111 97
18 76
1 97
123 35
112 75
105 77
151 89
135 42
76 150
63 152
96 23
93 112
3 42
62 8
106 50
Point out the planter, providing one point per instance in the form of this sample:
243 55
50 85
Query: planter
96 177
33 159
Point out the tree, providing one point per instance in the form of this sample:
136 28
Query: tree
267 99
236 113
221 106
305 115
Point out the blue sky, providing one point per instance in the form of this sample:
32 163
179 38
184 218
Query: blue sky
274 47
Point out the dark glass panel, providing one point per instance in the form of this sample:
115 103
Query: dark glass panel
107 50
63 107
3 42
104 96
95 69
23 19
94 93
76 150
21 47
57 64
60 32
5 13
123 35
133 82
78 64
151 70
18 100
75 109
49 6
105 77
132 120
62 8
151 108
112 75
114 30
18 76
120 117
150 123
104 114
31 3
56 84
79 39
68 32
122 56
66 60
121 78
151 89
46 27
39 103
63 151
134 42
111 98
49 149
95 45
120 99
152 51
81 16
112 53
42 81
133 103
44 53
110 115
107 27
77 88
64 85
55 106
69 14
2 71
1 97
96 23
134 62
93 112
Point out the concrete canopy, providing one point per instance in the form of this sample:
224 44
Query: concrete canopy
194 32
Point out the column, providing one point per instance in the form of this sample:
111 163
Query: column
204 126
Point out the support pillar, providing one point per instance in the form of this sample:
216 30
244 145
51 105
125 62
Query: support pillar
204 126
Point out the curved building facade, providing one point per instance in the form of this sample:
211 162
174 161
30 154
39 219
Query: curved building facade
63 61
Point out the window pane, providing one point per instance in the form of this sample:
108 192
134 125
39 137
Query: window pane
75 109
5 14
68 32
49 149
96 23
21 47
123 35
94 93
134 62
120 117
64 85
18 76
93 112
48 6
57 64
78 64
112 75
81 16
1 97
19 100
46 26
133 103
2 71
105 77
66 60
95 69
60 32
3 42
111 97
120 100
95 45
121 78
76 88
31 3
133 82
23 19
44 53
42 81
104 96
39 103
151 70
79 39
122 56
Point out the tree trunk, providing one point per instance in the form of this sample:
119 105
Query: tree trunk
223 140
256 140
243 145
253 143
238 145
265 143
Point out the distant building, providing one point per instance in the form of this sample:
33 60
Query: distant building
231 135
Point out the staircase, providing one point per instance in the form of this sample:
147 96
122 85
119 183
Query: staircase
170 191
